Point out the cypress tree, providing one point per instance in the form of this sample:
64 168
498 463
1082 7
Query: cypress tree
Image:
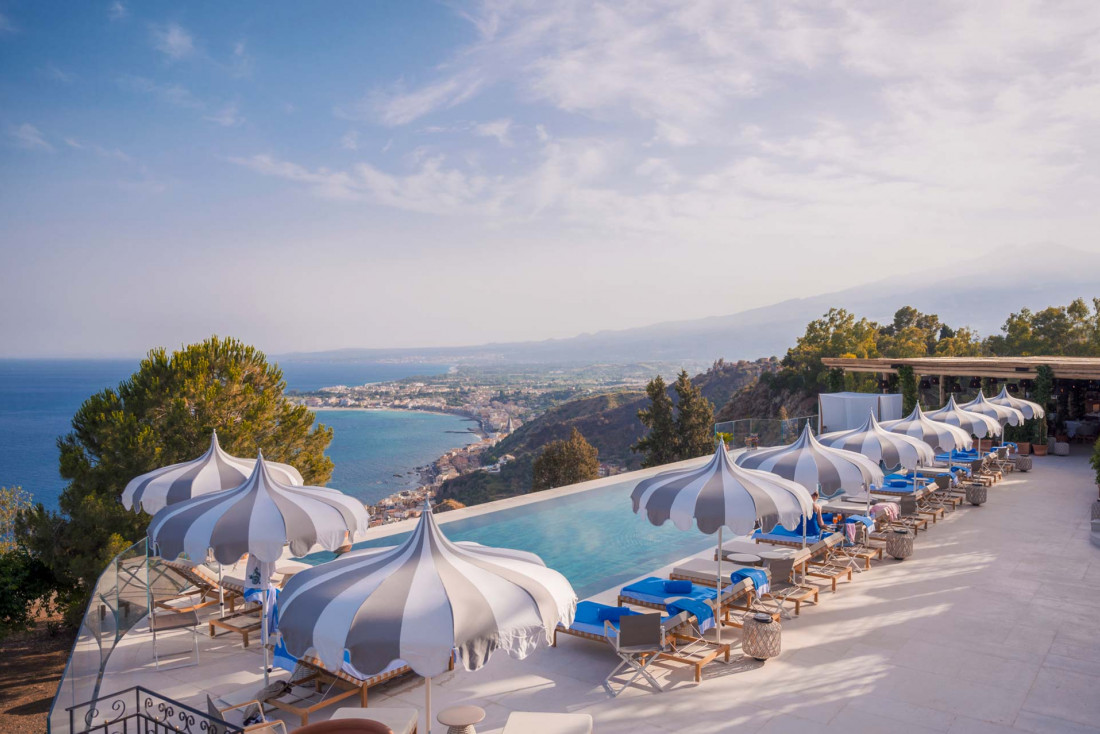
695 420
658 446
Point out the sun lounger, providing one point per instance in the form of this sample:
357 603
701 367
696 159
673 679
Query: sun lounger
653 593
782 589
239 713
310 671
204 585
244 623
683 640
523 722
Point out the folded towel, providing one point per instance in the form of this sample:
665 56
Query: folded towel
861 518
613 614
700 610
758 575
678 586
652 586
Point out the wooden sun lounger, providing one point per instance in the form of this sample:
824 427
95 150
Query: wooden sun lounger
244 623
687 649
320 676
205 584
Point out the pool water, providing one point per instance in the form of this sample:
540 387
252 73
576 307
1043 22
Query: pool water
591 537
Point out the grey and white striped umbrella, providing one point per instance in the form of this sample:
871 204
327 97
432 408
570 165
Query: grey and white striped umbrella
813 465
975 424
940 436
878 444
214 471
259 517
422 600
722 494
1000 413
1027 407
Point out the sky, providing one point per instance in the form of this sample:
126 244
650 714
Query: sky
311 176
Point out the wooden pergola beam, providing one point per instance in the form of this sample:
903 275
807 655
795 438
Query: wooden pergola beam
1004 368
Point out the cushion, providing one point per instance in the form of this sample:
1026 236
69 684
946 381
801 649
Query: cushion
678 586
613 614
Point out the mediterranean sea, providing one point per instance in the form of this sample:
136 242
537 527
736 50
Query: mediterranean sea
39 397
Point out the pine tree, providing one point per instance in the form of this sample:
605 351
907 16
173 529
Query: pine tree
695 420
565 462
658 446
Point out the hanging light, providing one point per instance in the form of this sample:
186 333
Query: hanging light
975 383
925 384
935 380
1026 384
956 387
1013 388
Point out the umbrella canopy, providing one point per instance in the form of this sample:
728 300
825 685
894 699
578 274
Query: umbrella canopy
421 600
1028 408
813 465
878 444
259 517
214 471
1000 413
940 436
722 494
975 424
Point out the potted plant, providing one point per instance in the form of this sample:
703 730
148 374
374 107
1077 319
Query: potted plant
1044 386
1039 438
1021 436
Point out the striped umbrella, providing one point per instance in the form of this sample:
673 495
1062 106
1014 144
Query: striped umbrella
1027 407
878 444
1000 413
421 601
214 471
975 424
940 436
260 518
815 466
722 495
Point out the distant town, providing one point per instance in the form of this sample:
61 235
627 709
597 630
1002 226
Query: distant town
499 401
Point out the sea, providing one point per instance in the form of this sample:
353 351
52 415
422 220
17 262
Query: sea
375 453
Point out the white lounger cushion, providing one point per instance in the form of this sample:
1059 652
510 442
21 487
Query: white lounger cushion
398 718
523 722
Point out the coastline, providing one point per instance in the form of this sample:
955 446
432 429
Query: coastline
428 474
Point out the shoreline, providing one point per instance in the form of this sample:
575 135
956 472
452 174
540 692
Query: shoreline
426 474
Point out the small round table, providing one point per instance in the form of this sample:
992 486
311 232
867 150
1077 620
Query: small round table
461 719
744 559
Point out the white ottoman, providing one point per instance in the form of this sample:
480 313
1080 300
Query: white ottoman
402 720
524 722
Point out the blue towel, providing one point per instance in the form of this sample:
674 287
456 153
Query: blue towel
613 614
863 519
812 528
588 612
700 610
758 575
652 586
678 586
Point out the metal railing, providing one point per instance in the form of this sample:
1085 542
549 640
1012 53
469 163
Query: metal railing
121 598
142 711
750 432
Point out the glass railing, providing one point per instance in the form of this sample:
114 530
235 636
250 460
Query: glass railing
121 598
756 432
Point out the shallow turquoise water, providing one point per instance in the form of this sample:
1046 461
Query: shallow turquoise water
592 537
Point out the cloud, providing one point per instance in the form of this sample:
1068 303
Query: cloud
226 116
350 140
399 108
51 71
173 94
240 63
6 26
498 129
173 41
102 152
117 11
29 137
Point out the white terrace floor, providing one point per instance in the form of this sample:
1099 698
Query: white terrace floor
992 626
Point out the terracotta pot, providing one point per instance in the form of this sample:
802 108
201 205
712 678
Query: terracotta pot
1039 449
985 444
1023 448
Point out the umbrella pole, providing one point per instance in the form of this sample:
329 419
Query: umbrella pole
221 592
263 633
428 705
718 590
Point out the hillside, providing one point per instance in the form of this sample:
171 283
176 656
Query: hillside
609 421
978 293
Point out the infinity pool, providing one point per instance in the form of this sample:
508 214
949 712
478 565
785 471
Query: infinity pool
591 537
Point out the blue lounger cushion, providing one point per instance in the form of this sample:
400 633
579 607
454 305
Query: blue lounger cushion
653 591
587 618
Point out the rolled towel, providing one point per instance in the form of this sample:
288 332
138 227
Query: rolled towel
678 586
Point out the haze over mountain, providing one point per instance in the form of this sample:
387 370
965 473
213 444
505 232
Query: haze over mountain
965 292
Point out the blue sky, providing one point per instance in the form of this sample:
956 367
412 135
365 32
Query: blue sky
314 176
